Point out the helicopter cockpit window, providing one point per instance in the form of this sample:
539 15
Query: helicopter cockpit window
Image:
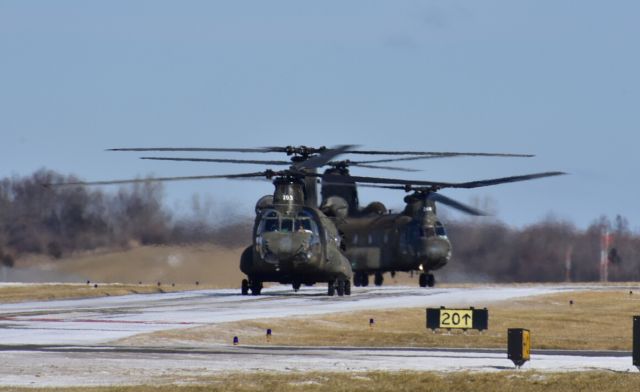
427 231
303 224
271 214
271 225
272 221
440 231
286 225
269 222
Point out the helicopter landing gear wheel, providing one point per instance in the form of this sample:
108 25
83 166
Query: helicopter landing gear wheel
431 280
331 288
422 280
378 279
340 288
357 279
244 288
256 287
296 286
347 287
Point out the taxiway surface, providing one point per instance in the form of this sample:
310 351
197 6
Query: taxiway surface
102 320
58 343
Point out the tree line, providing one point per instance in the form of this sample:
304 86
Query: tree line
60 220
551 250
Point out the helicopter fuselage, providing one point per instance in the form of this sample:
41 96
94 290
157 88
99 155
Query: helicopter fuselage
295 248
293 242
395 242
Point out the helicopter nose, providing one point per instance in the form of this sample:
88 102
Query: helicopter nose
437 249
286 246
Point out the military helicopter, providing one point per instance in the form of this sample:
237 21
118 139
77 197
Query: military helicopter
374 241
293 241
377 241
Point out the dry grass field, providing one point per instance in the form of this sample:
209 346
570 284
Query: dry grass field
507 381
210 265
213 265
42 292
598 320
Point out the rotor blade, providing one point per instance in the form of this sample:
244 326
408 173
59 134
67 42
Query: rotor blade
340 180
406 158
437 198
248 161
455 204
440 185
404 169
323 158
400 187
502 180
202 149
268 162
438 154
290 148
160 179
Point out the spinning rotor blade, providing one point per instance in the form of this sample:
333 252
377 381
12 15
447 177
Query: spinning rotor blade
439 185
202 149
304 150
164 179
248 161
437 197
502 180
282 163
455 204
419 157
439 154
403 169
323 158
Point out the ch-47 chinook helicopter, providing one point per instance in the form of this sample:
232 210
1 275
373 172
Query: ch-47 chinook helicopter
293 241
374 241
413 240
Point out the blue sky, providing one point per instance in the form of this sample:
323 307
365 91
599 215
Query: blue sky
558 79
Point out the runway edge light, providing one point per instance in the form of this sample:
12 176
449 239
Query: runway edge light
518 345
636 341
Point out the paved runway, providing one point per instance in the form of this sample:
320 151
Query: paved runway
103 320
61 343
108 365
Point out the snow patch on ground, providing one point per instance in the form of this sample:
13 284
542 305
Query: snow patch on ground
97 321
92 369
104 319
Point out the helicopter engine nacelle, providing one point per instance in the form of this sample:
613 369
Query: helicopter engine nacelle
265 201
375 208
335 206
